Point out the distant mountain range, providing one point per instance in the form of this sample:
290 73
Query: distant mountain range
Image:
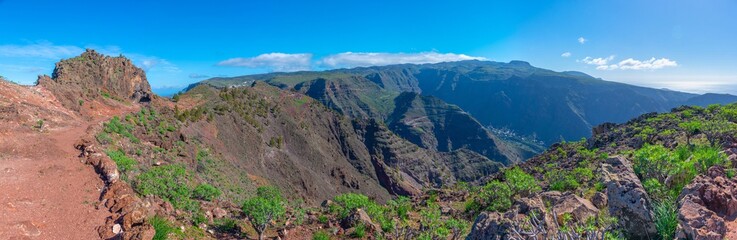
532 102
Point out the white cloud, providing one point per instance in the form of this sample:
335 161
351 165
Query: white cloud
566 54
651 63
597 61
629 64
364 59
43 49
280 62
582 40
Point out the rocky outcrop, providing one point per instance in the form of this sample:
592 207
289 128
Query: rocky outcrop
627 199
578 208
489 225
707 205
358 217
93 76
529 218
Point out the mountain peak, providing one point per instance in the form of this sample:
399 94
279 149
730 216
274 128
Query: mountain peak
520 63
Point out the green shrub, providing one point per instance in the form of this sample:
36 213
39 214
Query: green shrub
352 201
707 157
121 128
401 206
320 235
692 128
124 162
226 225
170 182
266 207
431 224
665 214
199 218
495 196
206 192
103 138
680 166
520 182
562 180
359 231
457 227
322 219
162 226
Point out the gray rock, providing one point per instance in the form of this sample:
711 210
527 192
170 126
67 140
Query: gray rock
627 199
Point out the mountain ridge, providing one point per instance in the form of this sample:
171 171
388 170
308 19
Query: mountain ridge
502 95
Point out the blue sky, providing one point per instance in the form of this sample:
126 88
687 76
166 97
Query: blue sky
683 45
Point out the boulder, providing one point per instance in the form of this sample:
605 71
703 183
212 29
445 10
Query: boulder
357 217
494 225
600 200
627 199
219 212
705 205
489 225
696 222
133 218
580 209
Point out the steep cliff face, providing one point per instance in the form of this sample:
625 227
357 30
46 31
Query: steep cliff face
298 144
95 77
433 124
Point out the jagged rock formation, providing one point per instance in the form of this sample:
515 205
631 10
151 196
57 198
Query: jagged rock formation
93 76
707 206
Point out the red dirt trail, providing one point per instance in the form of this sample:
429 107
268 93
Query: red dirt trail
46 192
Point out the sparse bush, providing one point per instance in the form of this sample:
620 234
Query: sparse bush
266 207
352 201
665 214
692 128
495 196
162 226
680 166
103 138
170 182
520 182
359 231
226 225
320 235
124 162
401 206
206 192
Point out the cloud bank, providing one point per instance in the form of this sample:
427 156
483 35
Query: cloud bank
629 64
285 62
45 50
280 62
365 59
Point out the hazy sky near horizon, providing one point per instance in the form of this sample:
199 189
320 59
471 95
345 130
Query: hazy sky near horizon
682 45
